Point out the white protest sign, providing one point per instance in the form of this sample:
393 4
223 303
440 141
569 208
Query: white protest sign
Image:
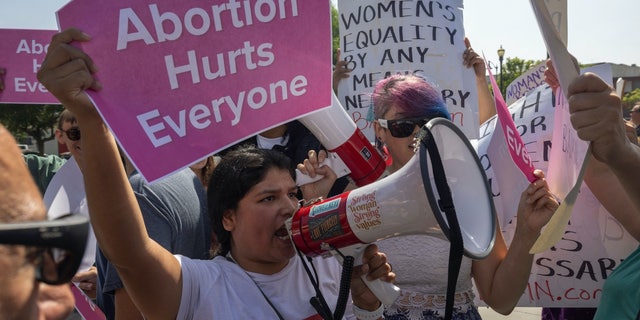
526 82
65 195
381 38
572 272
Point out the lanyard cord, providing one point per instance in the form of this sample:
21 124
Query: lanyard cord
318 302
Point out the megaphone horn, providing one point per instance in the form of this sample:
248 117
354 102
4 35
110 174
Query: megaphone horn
404 203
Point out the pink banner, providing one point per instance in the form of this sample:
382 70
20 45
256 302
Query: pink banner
86 307
21 54
517 150
184 79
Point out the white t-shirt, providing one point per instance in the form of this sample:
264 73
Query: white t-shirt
220 289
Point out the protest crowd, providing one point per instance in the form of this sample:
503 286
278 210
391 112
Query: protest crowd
91 237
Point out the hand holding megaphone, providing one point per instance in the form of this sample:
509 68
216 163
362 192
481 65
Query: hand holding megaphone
339 134
386 292
333 161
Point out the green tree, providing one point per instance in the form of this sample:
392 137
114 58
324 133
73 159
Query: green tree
335 31
35 121
512 68
630 98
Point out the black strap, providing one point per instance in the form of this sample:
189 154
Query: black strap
317 302
445 202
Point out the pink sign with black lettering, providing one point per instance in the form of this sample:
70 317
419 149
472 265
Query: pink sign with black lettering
184 79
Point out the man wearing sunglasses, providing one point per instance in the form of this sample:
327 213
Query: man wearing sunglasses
43 168
25 294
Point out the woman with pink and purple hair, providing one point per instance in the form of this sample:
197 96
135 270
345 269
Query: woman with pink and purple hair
401 105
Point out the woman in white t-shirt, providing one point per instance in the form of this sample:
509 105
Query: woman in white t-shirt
257 277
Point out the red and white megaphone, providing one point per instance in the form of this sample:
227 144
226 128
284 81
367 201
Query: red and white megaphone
339 134
410 201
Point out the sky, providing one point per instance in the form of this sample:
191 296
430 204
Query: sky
599 31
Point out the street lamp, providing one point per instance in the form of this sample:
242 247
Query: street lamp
501 57
493 65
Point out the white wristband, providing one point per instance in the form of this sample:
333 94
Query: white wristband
368 315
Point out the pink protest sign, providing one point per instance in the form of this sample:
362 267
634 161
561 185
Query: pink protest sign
86 307
184 79
21 54
517 150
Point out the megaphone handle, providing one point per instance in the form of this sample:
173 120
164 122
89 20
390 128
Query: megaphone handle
387 292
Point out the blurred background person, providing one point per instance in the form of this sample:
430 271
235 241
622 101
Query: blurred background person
22 296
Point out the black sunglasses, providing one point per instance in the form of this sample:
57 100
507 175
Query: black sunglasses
59 243
73 133
402 128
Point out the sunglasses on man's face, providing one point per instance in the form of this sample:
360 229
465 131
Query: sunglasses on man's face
73 133
59 245
402 128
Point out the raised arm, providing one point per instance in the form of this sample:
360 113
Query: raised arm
151 274
502 277
486 104
614 178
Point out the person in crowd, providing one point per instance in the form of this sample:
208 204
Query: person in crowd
486 104
614 178
296 141
340 71
502 276
174 211
203 169
23 296
605 186
258 276
43 168
311 164
635 117
406 102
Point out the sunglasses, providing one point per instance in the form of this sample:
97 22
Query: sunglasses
635 111
59 245
73 133
402 128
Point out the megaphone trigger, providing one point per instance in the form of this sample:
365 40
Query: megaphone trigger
386 292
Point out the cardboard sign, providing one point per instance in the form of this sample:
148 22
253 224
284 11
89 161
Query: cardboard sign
381 38
526 82
21 54
572 272
65 194
184 79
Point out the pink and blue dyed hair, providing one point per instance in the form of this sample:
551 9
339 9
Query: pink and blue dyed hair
411 94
